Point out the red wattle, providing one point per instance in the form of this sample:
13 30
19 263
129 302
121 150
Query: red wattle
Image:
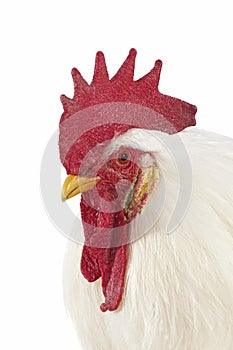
108 263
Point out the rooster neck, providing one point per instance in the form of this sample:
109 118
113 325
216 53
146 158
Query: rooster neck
179 287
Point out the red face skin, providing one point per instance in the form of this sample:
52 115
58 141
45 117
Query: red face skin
103 210
117 174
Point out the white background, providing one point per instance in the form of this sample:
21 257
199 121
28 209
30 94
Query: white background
40 42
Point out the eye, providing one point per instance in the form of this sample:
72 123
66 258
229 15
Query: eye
123 159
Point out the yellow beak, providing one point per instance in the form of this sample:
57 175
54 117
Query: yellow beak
74 185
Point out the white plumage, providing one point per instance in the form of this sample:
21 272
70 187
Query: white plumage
179 287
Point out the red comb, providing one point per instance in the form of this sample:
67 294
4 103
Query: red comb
112 106
122 88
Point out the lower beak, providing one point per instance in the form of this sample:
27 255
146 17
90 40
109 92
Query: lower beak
74 185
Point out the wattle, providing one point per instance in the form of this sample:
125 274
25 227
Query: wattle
104 253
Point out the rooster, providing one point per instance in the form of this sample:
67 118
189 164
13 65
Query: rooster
155 271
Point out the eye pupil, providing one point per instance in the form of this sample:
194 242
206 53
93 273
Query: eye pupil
124 157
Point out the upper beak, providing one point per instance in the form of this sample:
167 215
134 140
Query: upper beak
74 185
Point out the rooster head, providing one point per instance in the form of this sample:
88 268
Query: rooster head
115 177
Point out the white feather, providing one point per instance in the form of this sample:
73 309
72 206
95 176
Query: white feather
179 287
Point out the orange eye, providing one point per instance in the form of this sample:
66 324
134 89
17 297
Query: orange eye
123 159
